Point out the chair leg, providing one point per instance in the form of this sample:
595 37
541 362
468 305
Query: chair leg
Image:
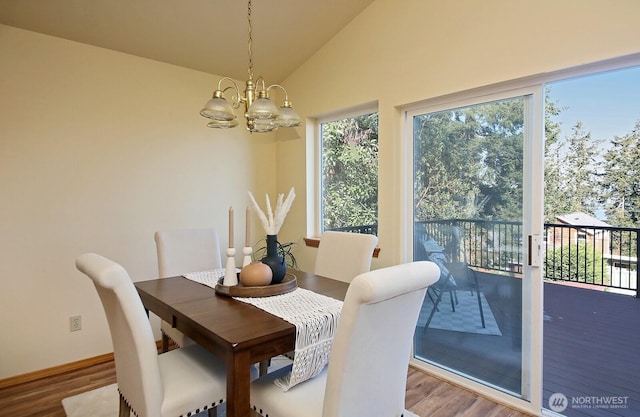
165 343
125 410
213 411
264 367
480 307
429 292
433 310
477 288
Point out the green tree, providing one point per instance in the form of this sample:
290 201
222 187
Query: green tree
502 159
468 162
555 202
571 169
621 180
580 171
350 171
442 148
578 263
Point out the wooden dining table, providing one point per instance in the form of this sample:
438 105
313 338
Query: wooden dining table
239 333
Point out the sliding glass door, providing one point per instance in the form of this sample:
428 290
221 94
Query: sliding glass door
473 211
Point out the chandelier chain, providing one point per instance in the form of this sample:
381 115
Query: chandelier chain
250 70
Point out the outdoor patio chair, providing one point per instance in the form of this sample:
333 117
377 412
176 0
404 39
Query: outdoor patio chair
455 274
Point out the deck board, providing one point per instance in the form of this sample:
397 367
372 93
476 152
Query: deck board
591 347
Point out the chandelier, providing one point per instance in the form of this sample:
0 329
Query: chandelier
261 113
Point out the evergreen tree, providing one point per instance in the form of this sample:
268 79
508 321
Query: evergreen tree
579 171
621 180
350 172
468 162
443 146
555 203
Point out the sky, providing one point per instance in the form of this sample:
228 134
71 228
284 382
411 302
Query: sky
608 104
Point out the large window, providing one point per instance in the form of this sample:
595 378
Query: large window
349 173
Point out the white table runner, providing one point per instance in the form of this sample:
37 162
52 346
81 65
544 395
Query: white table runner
208 278
314 315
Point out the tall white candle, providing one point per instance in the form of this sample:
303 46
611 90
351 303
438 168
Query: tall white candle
247 232
231 227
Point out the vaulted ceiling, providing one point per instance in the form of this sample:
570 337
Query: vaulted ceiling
205 35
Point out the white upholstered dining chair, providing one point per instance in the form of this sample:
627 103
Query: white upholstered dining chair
367 371
177 383
343 255
181 251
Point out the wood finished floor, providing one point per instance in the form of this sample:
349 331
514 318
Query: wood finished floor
426 395
43 397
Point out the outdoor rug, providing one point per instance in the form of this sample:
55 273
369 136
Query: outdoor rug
466 318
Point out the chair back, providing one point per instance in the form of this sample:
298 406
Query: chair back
455 247
343 255
367 372
134 347
187 250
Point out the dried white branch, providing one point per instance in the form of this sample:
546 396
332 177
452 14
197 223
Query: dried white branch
260 213
269 213
273 220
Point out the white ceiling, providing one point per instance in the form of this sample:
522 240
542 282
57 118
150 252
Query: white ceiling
205 35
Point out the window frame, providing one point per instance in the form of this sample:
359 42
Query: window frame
314 163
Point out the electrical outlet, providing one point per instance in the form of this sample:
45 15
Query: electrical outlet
75 323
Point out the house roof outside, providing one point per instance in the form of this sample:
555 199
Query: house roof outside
581 219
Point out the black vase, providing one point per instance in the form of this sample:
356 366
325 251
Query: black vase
274 261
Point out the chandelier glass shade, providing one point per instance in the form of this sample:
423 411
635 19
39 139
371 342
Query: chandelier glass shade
261 113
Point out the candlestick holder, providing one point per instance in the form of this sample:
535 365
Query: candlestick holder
230 276
246 251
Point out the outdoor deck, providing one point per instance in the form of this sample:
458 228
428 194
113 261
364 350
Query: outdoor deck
591 347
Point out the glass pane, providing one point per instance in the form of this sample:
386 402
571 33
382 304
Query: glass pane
468 181
592 231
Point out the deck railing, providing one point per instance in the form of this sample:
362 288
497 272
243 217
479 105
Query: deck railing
602 256
369 229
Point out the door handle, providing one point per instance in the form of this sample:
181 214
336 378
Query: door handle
534 250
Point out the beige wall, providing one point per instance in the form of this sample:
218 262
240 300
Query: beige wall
98 150
401 52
